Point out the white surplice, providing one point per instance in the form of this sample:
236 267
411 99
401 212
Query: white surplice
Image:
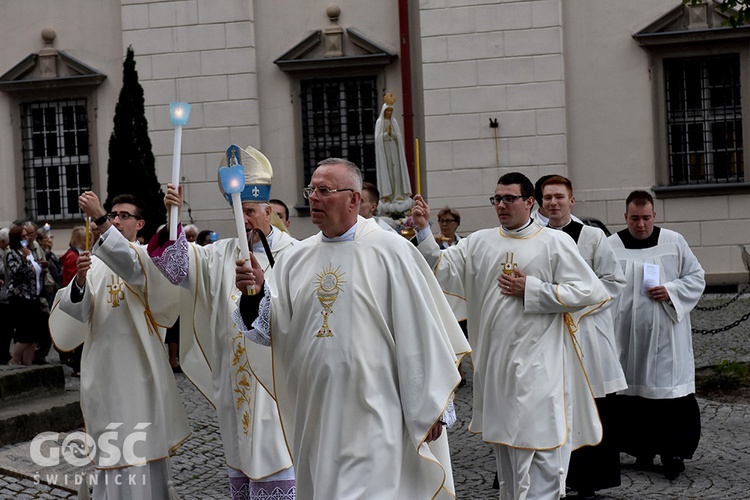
596 330
363 346
213 355
654 338
125 374
522 349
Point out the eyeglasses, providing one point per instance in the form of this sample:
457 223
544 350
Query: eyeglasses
446 221
508 199
322 191
123 216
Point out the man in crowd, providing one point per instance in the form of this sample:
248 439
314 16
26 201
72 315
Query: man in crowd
128 391
598 467
368 206
363 363
191 232
652 325
521 283
282 210
214 354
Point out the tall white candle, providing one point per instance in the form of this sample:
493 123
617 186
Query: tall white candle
239 220
178 114
174 214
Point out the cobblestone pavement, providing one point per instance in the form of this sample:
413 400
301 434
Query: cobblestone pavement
719 469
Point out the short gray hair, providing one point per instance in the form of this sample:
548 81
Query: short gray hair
353 173
4 235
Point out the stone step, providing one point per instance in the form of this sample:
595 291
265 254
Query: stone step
21 382
22 419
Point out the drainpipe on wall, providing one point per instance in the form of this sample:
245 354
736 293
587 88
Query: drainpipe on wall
405 53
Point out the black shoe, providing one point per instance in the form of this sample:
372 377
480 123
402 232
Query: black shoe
673 466
177 369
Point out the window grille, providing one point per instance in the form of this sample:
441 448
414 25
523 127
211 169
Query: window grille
56 161
338 120
704 119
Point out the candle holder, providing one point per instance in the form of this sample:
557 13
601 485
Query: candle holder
179 113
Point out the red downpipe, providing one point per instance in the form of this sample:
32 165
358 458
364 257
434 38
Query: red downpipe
403 25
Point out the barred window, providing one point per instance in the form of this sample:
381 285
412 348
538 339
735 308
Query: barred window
56 161
338 120
704 120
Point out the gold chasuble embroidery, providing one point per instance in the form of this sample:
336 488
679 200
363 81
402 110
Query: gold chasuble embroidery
116 293
242 376
509 267
328 288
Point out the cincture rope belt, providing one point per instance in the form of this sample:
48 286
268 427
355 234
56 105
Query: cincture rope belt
573 329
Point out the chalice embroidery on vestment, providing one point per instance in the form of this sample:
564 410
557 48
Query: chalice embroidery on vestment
328 285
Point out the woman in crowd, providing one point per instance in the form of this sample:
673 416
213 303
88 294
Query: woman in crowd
46 240
24 286
449 220
70 257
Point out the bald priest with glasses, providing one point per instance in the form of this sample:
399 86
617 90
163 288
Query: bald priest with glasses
525 287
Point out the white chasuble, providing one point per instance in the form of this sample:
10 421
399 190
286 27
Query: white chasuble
127 387
522 348
363 366
654 338
214 355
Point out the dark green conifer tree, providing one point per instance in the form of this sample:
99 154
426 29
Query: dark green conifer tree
131 167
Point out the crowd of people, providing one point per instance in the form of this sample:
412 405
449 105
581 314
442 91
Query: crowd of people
332 362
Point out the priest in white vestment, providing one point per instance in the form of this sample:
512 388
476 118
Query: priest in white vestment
652 326
525 288
128 391
592 468
362 345
214 354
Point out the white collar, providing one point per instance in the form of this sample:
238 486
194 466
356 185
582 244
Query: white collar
347 236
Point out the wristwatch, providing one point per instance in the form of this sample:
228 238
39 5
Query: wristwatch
101 220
